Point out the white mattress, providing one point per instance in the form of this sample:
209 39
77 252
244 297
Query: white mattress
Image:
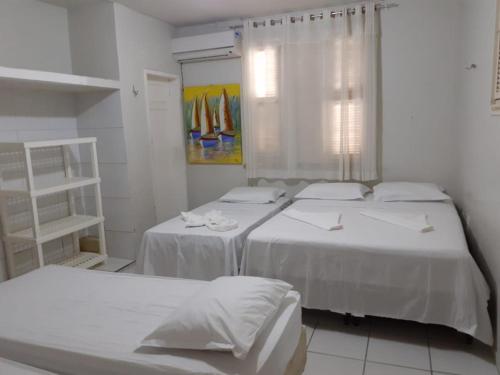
14 368
171 249
72 321
376 268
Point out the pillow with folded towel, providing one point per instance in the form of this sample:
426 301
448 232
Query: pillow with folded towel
228 314
334 191
253 194
408 191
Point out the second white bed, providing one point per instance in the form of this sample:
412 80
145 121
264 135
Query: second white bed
72 321
376 268
171 249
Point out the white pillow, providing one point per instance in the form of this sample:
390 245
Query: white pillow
253 195
228 315
408 191
334 191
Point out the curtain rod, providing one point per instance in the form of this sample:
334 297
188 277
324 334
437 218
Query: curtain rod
350 10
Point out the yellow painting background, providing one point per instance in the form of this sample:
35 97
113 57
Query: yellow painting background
195 153
211 90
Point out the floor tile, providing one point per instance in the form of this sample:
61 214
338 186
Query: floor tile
399 343
450 354
129 269
380 369
332 337
115 265
319 364
309 333
309 320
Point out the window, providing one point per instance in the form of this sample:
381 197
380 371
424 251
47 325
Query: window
266 72
311 102
345 104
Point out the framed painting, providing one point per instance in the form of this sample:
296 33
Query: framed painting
212 123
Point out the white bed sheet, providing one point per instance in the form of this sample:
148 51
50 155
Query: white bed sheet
376 268
171 249
14 368
72 321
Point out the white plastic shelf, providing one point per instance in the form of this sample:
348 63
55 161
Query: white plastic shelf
55 187
41 233
56 229
84 260
50 81
21 146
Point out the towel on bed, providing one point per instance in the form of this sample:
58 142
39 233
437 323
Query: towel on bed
326 220
213 220
411 220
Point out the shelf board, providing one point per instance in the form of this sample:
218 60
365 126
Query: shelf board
21 146
56 229
50 81
54 187
84 260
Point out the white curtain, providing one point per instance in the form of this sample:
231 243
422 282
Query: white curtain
310 100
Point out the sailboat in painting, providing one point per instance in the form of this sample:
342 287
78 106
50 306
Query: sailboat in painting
216 121
208 137
227 132
195 131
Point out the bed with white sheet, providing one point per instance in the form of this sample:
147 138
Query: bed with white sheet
72 321
171 249
372 267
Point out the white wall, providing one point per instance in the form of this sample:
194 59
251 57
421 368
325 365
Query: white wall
34 35
93 40
41 43
420 47
95 53
143 43
209 182
479 139
418 92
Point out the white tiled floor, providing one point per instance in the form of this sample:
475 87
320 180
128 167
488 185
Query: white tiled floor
390 347
387 347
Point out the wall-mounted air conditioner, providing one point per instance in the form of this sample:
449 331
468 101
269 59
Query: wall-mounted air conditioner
214 46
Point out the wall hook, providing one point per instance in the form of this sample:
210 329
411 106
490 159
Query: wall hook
135 91
471 67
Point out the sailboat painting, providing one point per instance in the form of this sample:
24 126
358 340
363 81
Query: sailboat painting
212 120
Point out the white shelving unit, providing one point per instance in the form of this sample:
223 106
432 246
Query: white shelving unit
41 233
41 80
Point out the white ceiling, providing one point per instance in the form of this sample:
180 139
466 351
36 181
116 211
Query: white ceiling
71 3
191 12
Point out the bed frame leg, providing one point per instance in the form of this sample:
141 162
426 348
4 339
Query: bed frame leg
469 340
347 319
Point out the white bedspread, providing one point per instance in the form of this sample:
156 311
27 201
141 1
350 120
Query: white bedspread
171 249
372 267
74 322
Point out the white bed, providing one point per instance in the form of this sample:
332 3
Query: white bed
14 368
72 321
171 249
376 268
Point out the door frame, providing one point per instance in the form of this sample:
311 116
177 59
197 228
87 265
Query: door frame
151 75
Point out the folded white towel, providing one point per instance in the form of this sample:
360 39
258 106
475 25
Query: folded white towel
217 222
213 220
412 220
193 220
321 219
